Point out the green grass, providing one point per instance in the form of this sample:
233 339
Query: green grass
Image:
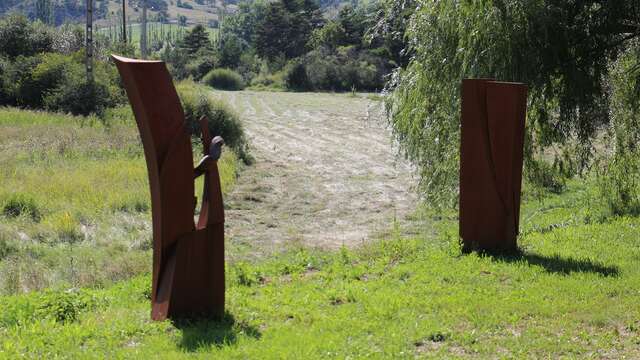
74 200
572 292
74 226
155 31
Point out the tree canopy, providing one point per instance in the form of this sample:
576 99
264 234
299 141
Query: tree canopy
562 49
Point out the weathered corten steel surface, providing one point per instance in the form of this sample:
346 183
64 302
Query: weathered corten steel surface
188 258
491 151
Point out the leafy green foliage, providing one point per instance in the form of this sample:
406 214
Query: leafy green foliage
286 28
58 82
195 40
571 280
224 79
620 168
223 121
18 36
296 77
560 49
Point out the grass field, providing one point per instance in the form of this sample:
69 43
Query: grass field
155 31
74 200
573 291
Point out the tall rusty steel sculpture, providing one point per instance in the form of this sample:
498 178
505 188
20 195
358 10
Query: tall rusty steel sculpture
491 154
188 258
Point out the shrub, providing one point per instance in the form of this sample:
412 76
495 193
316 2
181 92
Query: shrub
58 82
200 66
76 95
344 69
323 71
18 37
223 121
51 70
6 96
68 39
79 97
63 306
296 78
224 79
269 81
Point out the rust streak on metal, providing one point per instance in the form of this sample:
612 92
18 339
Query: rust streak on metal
188 260
491 156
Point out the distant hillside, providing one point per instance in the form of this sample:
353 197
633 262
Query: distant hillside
108 11
62 11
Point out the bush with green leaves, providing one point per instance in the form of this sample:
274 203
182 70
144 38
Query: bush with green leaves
76 95
224 79
58 82
296 78
19 36
203 62
49 72
223 121
344 69
6 97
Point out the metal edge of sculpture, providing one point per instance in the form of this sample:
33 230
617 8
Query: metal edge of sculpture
491 157
188 257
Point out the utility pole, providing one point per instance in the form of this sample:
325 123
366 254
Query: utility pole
124 21
89 41
143 34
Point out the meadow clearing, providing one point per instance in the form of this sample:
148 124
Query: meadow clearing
302 283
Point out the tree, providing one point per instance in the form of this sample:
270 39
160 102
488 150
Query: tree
331 35
231 49
20 37
354 24
196 39
44 11
243 23
561 49
182 20
286 28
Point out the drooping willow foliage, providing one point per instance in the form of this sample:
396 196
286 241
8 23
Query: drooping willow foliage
562 49
620 183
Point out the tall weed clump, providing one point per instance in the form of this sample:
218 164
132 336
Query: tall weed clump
223 120
224 79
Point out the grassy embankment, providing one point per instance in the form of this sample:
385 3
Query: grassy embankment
573 291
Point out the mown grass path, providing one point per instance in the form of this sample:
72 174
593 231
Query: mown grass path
326 172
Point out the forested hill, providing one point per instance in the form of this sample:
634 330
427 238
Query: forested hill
50 11
64 11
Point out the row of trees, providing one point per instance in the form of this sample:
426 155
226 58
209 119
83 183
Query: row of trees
294 44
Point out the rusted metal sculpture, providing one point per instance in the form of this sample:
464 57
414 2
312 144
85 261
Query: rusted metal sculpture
188 258
491 151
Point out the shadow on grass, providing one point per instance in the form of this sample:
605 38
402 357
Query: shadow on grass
557 264
197 334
